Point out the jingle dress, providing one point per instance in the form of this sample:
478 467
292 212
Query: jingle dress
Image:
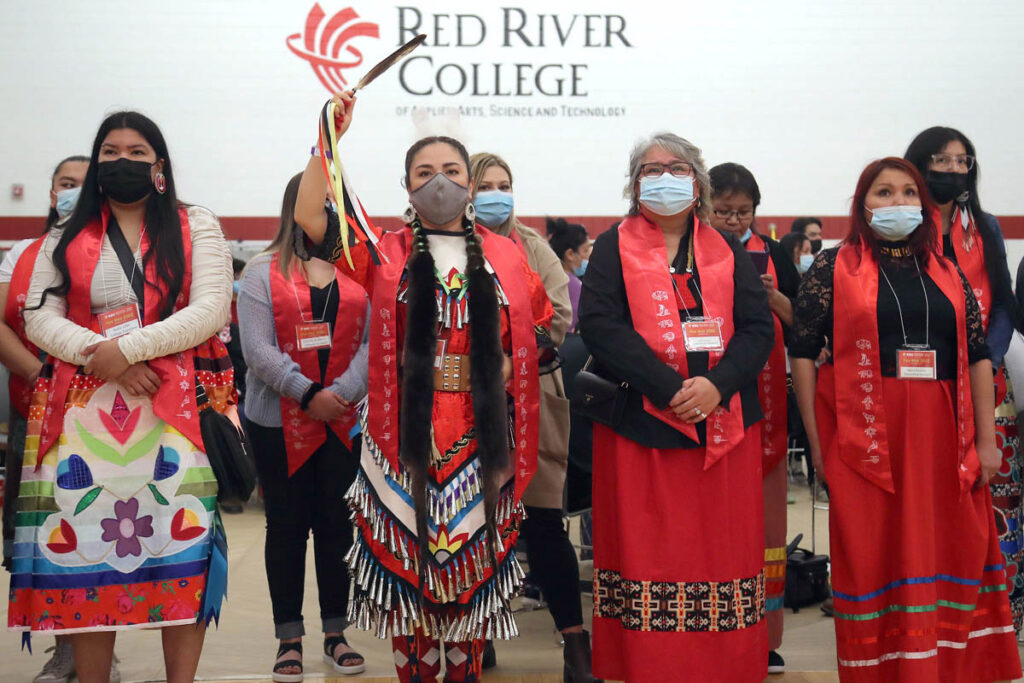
964 245
679 584
918 581
465 599
117 525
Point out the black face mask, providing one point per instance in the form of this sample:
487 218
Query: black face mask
947 186
125 181
815 246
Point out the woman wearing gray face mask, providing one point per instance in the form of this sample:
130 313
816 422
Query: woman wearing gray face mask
459 325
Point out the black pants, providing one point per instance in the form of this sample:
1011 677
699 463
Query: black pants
312 499
553 564
12 481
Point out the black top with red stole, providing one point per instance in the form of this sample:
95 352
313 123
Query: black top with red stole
604 307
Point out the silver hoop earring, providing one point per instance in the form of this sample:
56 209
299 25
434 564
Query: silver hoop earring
409 215
470 212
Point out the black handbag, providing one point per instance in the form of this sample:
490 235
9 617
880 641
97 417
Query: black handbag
227 450
597 398
806 576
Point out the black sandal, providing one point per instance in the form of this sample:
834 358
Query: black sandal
344 664
281 677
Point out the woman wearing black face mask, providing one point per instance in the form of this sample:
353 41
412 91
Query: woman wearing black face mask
120 527
973 239
458 327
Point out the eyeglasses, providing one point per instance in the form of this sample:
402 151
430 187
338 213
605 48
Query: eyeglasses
948 161
742 214
679 169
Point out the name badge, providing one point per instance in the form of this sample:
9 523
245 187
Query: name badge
916 364
120 321
312 336
702 335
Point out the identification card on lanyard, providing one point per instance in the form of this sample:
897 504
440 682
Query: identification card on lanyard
701 334
311 336
916 362
120 321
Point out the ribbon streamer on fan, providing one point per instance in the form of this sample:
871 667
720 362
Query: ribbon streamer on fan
355 224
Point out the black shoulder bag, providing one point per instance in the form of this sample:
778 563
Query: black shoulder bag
597 398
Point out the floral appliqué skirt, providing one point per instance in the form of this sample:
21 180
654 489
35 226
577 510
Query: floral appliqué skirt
115 526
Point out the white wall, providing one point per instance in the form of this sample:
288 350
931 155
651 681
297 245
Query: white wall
804 93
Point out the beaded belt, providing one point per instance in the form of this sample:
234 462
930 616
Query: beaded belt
451 373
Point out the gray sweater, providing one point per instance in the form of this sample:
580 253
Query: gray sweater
272 372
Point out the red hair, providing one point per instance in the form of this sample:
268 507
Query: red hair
924 241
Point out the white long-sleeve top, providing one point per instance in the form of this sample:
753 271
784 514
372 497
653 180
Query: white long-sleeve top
207 312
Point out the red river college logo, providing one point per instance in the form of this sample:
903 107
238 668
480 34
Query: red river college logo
322 42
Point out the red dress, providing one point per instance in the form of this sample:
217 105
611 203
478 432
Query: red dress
917 576
465 597
679 584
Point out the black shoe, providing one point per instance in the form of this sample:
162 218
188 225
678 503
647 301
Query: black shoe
232 507
490 658
776 664
533 599
577 658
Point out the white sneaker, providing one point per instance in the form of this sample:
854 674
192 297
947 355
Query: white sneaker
60 667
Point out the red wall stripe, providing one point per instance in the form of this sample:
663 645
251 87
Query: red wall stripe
265 227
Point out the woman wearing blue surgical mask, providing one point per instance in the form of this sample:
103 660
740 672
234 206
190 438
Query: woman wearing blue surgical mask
65 186
572 245
676 317
21 358
899 420
797 247
736 196
553 565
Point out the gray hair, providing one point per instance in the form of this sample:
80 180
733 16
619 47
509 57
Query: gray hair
677 146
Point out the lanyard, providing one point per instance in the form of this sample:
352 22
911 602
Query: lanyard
117 241
696 284
899 308
327 301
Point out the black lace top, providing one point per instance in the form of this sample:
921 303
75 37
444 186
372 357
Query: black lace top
812 315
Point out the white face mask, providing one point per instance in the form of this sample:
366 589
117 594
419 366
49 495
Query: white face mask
805 263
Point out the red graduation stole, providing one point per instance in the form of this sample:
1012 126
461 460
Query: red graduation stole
971 258
656 316
860 407
382 412
20 390
175 400
771 385
303 435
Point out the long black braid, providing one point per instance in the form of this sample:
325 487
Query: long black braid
418 384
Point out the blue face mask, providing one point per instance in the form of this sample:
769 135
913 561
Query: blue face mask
805 263
493 207
894 223
581 268
236 286
666 195
66 201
